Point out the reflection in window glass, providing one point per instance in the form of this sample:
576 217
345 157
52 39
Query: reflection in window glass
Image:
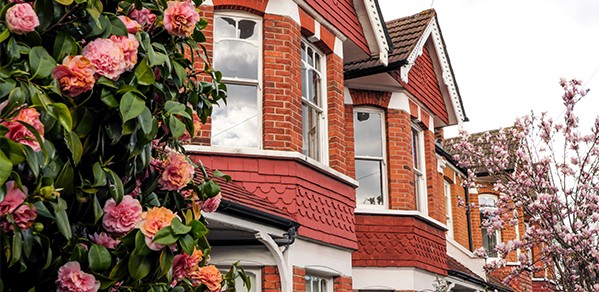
370 161
418 167
240 285
316 284
236 123
312 103
237 54
487 205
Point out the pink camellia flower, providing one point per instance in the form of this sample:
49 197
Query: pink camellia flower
212 204
180 18
71 278
132 25
107 56
177 172
123 217
211 277
186 267
152 221
129 45
75 75
104 240
20 134
13 198
24 216
21 18
144 17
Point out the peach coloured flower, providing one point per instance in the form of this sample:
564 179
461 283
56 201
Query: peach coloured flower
132 25
24 216
186 267
180 18
211 277
71 278
123 217
104 240
129 45
152 221
20 134
211 204
144 17
177 172
21 18
75 75
13 198
107 56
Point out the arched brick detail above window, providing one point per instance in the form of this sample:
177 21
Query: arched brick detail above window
369 97
252 6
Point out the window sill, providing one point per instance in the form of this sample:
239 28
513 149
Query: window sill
412 213
276 154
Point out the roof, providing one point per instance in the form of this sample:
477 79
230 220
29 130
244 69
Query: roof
486 140
405 33
458 270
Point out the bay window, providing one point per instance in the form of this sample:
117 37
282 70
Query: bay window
419 166
313 103
238 55
369 141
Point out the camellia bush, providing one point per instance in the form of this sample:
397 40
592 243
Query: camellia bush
547 173
97 98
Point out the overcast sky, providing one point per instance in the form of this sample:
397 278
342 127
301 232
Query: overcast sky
508 55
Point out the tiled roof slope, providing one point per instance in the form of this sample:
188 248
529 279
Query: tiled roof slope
459 270
405 33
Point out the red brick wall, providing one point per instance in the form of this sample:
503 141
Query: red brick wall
400 172
342 284
434 181
271 281
338 156
522 283
349 140
459 216
299 279
398 241
206 12
282 115
543 286
252 6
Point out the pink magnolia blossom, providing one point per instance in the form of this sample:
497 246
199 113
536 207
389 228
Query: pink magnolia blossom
71 278
212 204
13 198
129 45
177 173
107 56
132 25
105 240
20 134
180 18
21 18
75 75
123 217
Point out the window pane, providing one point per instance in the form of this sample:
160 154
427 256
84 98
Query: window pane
368 134
236 124
247 30
236 59
369 175
310 57
310 131
224 27
304 81
415 149
313 84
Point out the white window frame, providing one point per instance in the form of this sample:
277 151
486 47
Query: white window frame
420 191
257 272
497 232
449 208
244 81
328 280
322 139
383 159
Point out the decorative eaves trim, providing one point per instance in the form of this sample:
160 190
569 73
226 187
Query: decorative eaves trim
378 29
433 31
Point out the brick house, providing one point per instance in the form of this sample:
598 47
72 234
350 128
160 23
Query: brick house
329 135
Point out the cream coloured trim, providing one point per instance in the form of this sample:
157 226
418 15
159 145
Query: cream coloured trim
285 8
412 213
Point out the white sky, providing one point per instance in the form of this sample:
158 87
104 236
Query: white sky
508 55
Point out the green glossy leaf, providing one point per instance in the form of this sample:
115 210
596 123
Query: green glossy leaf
99 175
40 62
32 161
145 121
131 106
61 112
6 86
211 188
186 243
119 270
65 179
62 219
198 229
64 45
139 266
65 2
118 27
5 168
180 72
4 34
108 98
115 186
16 151
144 73
165 236
16 248
173 107
74 145
176 126
178 227
218 173
42 210
45 12
166 260
99 258
98 212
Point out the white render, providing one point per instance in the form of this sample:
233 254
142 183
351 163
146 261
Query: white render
393 278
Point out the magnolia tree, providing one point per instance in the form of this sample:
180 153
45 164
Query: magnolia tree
552 183
96 193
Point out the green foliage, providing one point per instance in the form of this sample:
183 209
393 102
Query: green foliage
73 149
